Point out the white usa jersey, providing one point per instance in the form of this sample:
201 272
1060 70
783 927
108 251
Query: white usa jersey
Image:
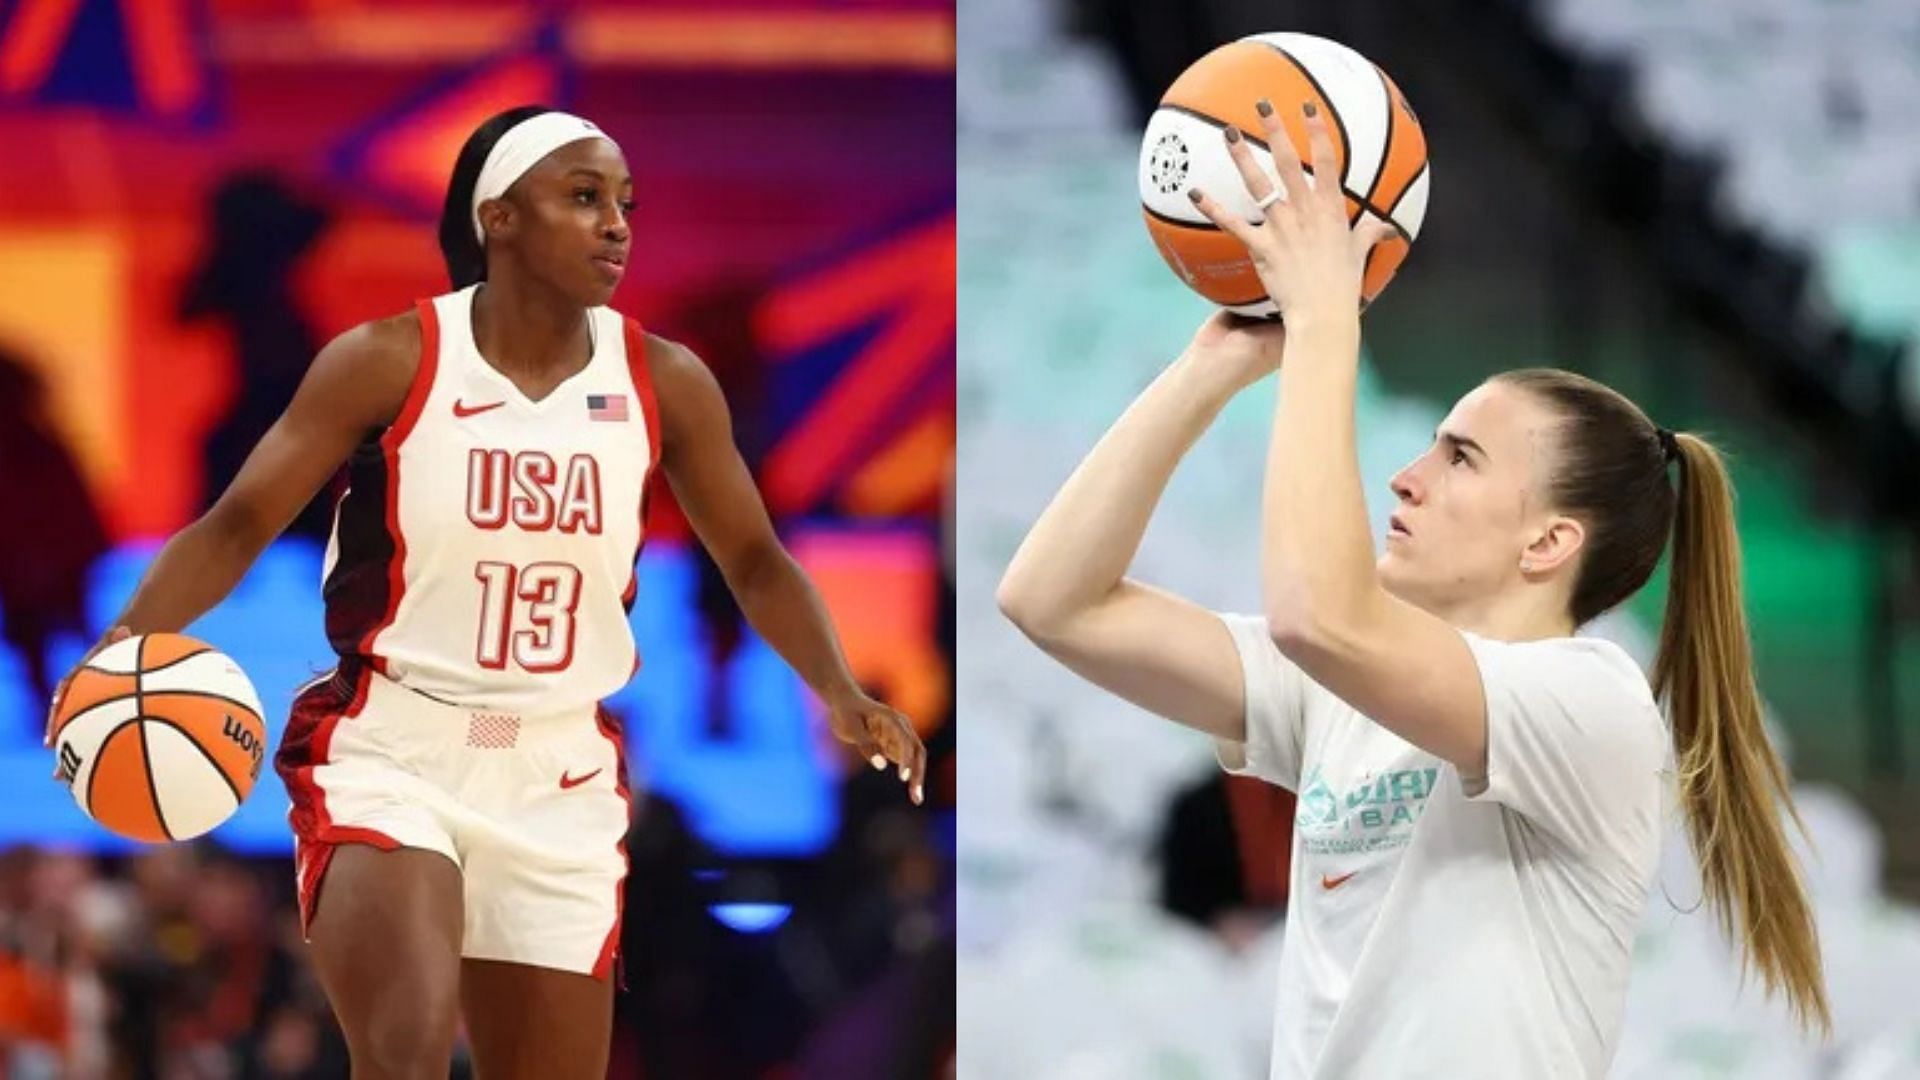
484 551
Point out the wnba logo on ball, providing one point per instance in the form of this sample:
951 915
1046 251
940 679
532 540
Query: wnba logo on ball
1167 164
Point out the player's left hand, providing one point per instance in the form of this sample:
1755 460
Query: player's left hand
881 734
1308 258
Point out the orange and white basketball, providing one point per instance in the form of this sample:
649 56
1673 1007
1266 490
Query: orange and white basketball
1380 146
160 737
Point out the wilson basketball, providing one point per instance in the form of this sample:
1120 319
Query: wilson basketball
160 737
1380 146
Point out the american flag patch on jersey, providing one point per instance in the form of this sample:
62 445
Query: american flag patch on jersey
607 407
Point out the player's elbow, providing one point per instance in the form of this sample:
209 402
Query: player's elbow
1299 627
1027 609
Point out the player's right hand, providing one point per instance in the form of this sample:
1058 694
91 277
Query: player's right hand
118 633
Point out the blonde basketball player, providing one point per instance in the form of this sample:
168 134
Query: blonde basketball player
1480 791
459 798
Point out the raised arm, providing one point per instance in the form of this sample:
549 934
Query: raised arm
1067 588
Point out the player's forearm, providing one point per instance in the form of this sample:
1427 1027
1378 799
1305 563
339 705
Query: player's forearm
1080 548
1316 553
784 608
194 571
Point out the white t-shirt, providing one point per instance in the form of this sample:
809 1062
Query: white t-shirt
1435 933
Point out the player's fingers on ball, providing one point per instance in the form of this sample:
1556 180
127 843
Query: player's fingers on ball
1370 231
53 709
1286 160
1326 163
1259 184
1229 223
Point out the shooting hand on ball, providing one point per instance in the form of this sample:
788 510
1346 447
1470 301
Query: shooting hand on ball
118 633
1309 260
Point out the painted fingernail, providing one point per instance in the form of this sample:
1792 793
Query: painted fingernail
1310 109
1194 194
878 761
905 772
1263 107
1233 134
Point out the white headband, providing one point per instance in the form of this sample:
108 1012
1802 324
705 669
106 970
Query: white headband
520 149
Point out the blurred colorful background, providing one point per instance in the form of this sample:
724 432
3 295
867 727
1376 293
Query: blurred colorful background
196 194
1712 205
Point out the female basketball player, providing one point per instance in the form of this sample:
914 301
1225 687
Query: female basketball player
456 788
1480 791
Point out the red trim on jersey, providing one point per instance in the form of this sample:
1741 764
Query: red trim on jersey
390 443
642 374
602 719
305 748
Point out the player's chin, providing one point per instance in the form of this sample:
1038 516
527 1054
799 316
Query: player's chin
596 291
1394 573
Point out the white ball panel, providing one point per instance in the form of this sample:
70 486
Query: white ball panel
194 797
209 672
1412 210
121 657
87 730
1354 87
1208 167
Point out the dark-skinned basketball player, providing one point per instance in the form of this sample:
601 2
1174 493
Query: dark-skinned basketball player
459 798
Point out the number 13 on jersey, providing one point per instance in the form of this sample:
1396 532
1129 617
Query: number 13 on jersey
527 615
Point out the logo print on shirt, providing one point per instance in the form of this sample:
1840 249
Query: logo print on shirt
567 781
1335 882
1377 813
461 408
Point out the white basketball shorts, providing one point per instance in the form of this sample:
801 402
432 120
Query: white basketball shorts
532 809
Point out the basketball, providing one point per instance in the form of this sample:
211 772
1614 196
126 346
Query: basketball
160 737
1380 146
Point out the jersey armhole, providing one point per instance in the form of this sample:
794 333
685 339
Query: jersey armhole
642 375
422 385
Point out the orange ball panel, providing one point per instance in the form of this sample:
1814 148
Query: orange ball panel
1406 152
1217 267
1225 84
1212 262
159 650
89 687
1382 264
119 793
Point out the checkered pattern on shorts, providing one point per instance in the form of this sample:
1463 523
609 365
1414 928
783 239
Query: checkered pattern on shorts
493 731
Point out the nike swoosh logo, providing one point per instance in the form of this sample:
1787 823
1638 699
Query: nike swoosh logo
575 781
463 409
1335 882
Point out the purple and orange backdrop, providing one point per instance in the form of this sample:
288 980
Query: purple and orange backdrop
793 166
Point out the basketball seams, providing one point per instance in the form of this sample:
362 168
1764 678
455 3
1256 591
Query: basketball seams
138 706
1365 203
202 651
1386 151
146 757
201 750
93 773
1411 184
1346 147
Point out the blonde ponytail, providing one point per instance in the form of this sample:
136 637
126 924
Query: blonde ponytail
1733 787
